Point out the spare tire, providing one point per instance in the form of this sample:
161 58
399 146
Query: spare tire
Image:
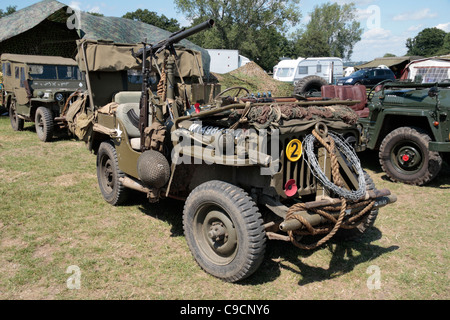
309 84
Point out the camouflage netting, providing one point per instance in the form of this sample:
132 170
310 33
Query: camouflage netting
44 29
264 116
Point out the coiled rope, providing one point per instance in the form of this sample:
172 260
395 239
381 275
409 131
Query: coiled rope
330 141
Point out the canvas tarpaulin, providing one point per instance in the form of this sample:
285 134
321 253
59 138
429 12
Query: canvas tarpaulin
108 56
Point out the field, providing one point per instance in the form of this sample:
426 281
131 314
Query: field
55 226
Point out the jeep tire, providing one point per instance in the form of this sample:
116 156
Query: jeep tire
405 157
44 124
109 174
224 230
16 122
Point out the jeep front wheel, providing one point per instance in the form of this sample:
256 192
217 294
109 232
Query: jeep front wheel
16 122
224 230
405 157
44 124
109 174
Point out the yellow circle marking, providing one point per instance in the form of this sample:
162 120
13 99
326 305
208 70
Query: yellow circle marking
294 150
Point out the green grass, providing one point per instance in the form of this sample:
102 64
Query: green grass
52 216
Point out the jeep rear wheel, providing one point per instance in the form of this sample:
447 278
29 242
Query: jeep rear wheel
16 122
44 124
404 156
109 174
224 230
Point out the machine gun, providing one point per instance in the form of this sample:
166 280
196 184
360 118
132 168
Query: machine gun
151 51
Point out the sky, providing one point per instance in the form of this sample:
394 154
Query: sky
387 24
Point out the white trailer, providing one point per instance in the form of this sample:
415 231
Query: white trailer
328 68
224 61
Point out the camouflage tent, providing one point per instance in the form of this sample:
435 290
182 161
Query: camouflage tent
51 28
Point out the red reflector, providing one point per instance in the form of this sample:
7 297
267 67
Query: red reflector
290 188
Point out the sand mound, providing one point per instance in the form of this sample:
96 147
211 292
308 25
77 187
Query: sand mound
251 69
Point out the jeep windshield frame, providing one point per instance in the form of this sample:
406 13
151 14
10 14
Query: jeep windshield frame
54 72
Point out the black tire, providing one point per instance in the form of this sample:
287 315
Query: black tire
16 123
366 223
404 156
44 124
309 84
216 204
109 174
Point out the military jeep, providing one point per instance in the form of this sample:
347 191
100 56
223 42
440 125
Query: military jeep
406 122
248 168
39 89
409 124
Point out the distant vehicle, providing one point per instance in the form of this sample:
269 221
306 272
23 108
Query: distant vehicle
224 61
368 77
329 69
39 88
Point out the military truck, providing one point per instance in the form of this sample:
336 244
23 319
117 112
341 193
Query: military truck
407 122
39 89
248 169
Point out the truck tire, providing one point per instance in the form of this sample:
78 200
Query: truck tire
404 156
16 122
224 230
309 84
109 174
44 124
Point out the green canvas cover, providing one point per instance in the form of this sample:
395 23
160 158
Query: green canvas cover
30 59
113 57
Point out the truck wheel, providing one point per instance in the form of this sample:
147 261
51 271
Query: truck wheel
16 122
44 124
108 175
309 84
404 156
224 230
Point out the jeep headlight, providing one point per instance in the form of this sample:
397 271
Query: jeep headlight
349 80
59 97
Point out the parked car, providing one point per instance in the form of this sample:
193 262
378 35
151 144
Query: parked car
368 77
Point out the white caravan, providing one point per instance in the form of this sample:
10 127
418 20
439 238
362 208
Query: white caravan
292 71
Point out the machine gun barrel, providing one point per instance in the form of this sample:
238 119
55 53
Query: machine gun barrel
177 37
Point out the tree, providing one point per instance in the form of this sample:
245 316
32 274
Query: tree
332 31
96 14
244 25
9 10
154 19
427 43
389 55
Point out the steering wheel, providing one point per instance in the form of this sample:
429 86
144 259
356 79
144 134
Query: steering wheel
239 90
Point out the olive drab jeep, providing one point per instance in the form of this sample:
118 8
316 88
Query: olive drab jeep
406 122
39 89
248 168
409 124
